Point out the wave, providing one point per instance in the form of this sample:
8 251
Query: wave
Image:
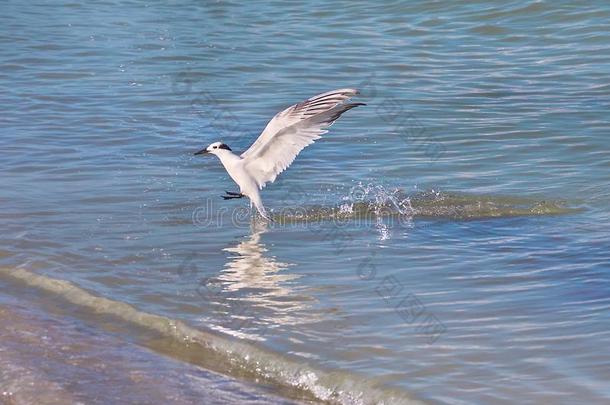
290 376
371 202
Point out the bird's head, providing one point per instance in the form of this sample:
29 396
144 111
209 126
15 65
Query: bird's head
214 148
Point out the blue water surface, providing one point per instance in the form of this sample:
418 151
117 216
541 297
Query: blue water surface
103 104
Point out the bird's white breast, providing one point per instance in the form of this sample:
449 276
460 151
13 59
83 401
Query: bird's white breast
234 165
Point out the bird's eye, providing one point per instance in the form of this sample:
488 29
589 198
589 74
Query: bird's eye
215 147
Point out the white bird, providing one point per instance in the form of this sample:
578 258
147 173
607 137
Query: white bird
287 134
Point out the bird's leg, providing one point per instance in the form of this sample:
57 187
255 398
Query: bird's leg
231 195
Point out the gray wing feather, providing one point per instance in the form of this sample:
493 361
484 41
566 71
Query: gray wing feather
291 130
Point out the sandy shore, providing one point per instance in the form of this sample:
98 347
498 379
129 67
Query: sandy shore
49 359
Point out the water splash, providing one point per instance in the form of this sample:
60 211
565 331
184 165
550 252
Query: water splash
383 203
383 207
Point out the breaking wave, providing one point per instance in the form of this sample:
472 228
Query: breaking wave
290 376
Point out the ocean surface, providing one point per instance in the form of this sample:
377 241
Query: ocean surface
448 242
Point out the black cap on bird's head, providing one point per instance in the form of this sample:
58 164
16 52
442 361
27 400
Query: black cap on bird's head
213 148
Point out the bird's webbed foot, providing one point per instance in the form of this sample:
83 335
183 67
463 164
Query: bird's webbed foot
230 195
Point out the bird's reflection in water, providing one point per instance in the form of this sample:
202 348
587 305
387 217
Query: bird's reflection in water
258 288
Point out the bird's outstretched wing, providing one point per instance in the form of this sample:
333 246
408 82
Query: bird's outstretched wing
291 130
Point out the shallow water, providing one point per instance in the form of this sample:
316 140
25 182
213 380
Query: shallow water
490 117
50 359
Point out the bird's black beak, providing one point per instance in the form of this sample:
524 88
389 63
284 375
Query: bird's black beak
202 151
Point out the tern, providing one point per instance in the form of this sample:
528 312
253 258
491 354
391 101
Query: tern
284 137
